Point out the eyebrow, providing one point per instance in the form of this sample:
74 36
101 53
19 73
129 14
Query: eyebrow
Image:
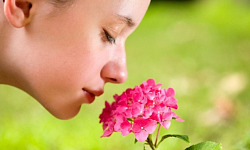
127 20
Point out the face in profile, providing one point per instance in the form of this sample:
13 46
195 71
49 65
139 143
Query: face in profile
64 56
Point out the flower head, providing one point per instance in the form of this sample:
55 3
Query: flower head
139 110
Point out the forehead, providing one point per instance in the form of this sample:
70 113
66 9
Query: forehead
134 9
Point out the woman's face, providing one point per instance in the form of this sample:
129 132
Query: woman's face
68 54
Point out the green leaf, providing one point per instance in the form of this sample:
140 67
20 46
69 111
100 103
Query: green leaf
183 137
136 141
129 119
208 145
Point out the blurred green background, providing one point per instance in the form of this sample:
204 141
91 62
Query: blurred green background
200 48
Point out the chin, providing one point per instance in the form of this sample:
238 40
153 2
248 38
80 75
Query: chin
65 114
60 107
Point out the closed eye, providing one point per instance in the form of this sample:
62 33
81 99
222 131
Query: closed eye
109 38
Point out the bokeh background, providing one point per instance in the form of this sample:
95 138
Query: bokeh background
200 48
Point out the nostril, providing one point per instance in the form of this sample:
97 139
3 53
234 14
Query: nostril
113 79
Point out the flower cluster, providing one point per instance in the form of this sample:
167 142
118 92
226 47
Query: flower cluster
139 110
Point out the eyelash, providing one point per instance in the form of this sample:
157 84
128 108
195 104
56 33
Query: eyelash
108 37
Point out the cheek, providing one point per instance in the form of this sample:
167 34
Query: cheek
80 69
69 70
69 58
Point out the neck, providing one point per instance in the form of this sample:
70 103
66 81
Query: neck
10 49
2 40
5 33
2 24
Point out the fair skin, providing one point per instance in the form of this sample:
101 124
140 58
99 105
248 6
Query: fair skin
63 56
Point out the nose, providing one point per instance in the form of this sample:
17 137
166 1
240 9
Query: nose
115 70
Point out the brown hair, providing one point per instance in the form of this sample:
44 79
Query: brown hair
59 3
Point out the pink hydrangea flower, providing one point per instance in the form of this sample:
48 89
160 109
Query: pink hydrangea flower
139 110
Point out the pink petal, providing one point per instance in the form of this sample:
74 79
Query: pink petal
128 113
137 125
151 82
137 109
126 128
159 108
108 132
156 117
151 95
162 98
147 113
106 113
179 119
167 116
151 126
171 102
166 124
148 125
141 136
107 105
170 92
117 127
158 86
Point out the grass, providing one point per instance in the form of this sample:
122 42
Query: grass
201 49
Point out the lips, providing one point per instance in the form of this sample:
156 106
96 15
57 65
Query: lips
91 94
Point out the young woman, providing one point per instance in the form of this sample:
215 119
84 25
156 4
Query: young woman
62 52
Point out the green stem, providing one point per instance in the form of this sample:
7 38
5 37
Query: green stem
157 135
149 141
